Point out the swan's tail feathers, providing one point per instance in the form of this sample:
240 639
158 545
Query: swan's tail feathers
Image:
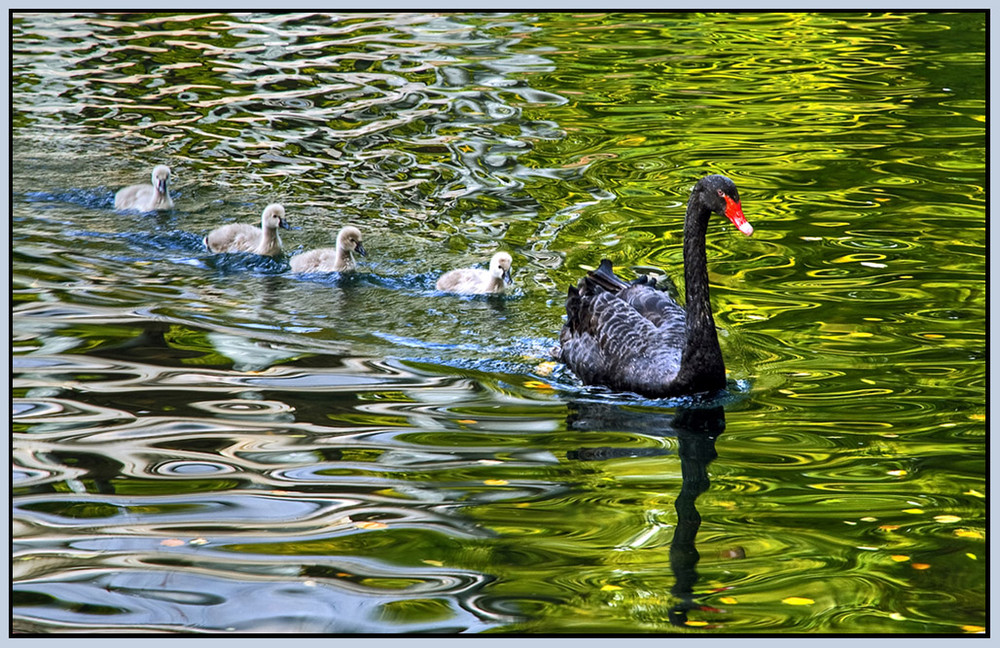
574 308
606 278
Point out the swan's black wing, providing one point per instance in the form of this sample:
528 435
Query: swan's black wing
656 305
625 336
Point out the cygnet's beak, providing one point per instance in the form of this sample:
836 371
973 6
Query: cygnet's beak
361 249
506 276
161 186
283 223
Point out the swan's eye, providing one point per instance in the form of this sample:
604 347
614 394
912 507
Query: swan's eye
721 193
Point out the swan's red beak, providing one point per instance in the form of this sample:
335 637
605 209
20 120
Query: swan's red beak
734 212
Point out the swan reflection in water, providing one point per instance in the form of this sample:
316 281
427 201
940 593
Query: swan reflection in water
696 429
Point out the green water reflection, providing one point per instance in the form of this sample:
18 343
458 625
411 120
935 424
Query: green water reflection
207 443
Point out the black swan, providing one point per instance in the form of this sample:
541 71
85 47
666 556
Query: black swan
633 337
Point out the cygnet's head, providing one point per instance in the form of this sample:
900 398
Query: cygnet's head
161 175
273 217
350 239
500 266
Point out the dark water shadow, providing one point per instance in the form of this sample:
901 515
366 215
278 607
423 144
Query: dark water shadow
696 429
97 198
246 262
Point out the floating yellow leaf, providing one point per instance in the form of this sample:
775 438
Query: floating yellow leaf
971 556
371 525
535 384
610 588
495 482
797 600
920 566
467 421
977 417
972 628
888 527
914 511
897 473
728 600
947 519
899 558
974 493
896 616
969 533
436 563
199 541
869 519
696 623
172 542
544 369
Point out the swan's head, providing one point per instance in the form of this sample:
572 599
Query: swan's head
161 176
500 266
722 197
273 217
350 239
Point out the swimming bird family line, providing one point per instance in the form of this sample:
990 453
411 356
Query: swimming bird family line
627 336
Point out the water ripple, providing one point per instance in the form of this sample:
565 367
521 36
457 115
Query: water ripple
210 443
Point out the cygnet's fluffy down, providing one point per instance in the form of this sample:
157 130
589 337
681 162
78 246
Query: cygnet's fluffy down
475 281
338 259
240 237
147 197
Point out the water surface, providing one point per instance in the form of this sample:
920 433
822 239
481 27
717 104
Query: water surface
210 443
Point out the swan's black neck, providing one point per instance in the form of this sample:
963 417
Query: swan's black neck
702 368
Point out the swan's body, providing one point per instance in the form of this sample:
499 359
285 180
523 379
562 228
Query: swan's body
147 197
240 237
633 337
476 281
338 259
